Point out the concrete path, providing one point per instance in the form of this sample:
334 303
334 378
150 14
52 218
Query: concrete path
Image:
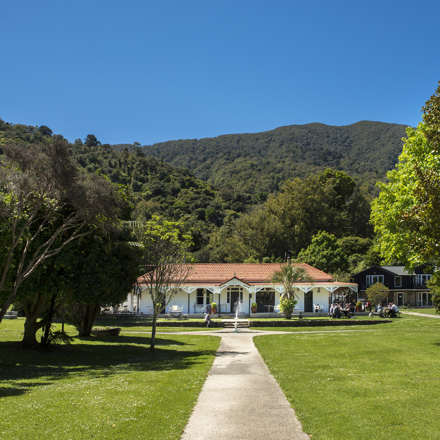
240 398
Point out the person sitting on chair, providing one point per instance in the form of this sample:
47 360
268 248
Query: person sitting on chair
394 310
331 311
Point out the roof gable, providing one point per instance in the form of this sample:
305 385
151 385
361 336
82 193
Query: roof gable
393 270
234 281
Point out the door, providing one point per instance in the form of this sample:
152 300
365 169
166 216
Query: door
264 299
308 301
235 295
422 299
400 299
235 298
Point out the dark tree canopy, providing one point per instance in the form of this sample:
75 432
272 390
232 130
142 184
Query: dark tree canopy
42 190
45 130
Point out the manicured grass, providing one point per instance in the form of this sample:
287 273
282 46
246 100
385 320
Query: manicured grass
381 383
101 388
428 311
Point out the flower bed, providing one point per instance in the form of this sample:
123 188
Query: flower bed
106 331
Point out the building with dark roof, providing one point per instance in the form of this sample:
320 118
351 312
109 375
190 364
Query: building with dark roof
406 288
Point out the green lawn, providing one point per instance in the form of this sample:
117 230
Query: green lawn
428 311
381 383
101 388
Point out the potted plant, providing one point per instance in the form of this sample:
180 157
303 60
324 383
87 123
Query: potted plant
254 307
358 306
287 305
214 307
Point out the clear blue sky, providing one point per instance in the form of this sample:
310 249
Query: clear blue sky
151 71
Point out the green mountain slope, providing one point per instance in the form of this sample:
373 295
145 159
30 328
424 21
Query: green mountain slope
261 162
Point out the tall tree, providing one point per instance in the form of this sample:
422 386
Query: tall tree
324 253
407 219
406 215
165 256
42 191
102 269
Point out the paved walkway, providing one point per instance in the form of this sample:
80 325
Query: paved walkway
240 398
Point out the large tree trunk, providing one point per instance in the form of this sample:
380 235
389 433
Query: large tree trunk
153 331
33 312
45 340
89 313
31 326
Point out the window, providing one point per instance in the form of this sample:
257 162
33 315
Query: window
397 281
372 279
421 279
200 296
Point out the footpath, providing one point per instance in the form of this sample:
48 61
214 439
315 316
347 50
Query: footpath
425 315
240 398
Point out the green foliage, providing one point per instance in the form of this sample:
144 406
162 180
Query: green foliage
287 306
259 163
434 286
287 276
45 203
377 293
406 215
166 262
325 254
289 219
406 221
431 118
162 190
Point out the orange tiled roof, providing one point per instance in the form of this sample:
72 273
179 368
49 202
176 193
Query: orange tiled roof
250 273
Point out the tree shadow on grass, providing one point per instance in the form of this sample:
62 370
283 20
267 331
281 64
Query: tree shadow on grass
143 340
103 357
22 389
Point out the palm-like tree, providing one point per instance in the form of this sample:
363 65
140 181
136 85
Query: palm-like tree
287 276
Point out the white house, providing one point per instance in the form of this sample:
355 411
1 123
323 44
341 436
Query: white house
244 284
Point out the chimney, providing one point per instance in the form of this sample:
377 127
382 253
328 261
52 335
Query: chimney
288 257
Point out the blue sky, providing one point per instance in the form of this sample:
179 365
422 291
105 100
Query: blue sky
151 71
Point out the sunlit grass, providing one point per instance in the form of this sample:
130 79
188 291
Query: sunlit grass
101 388
427 311
381 383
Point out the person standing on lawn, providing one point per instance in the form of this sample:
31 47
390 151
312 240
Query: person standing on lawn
208 319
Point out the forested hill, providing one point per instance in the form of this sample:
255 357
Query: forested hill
261 162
